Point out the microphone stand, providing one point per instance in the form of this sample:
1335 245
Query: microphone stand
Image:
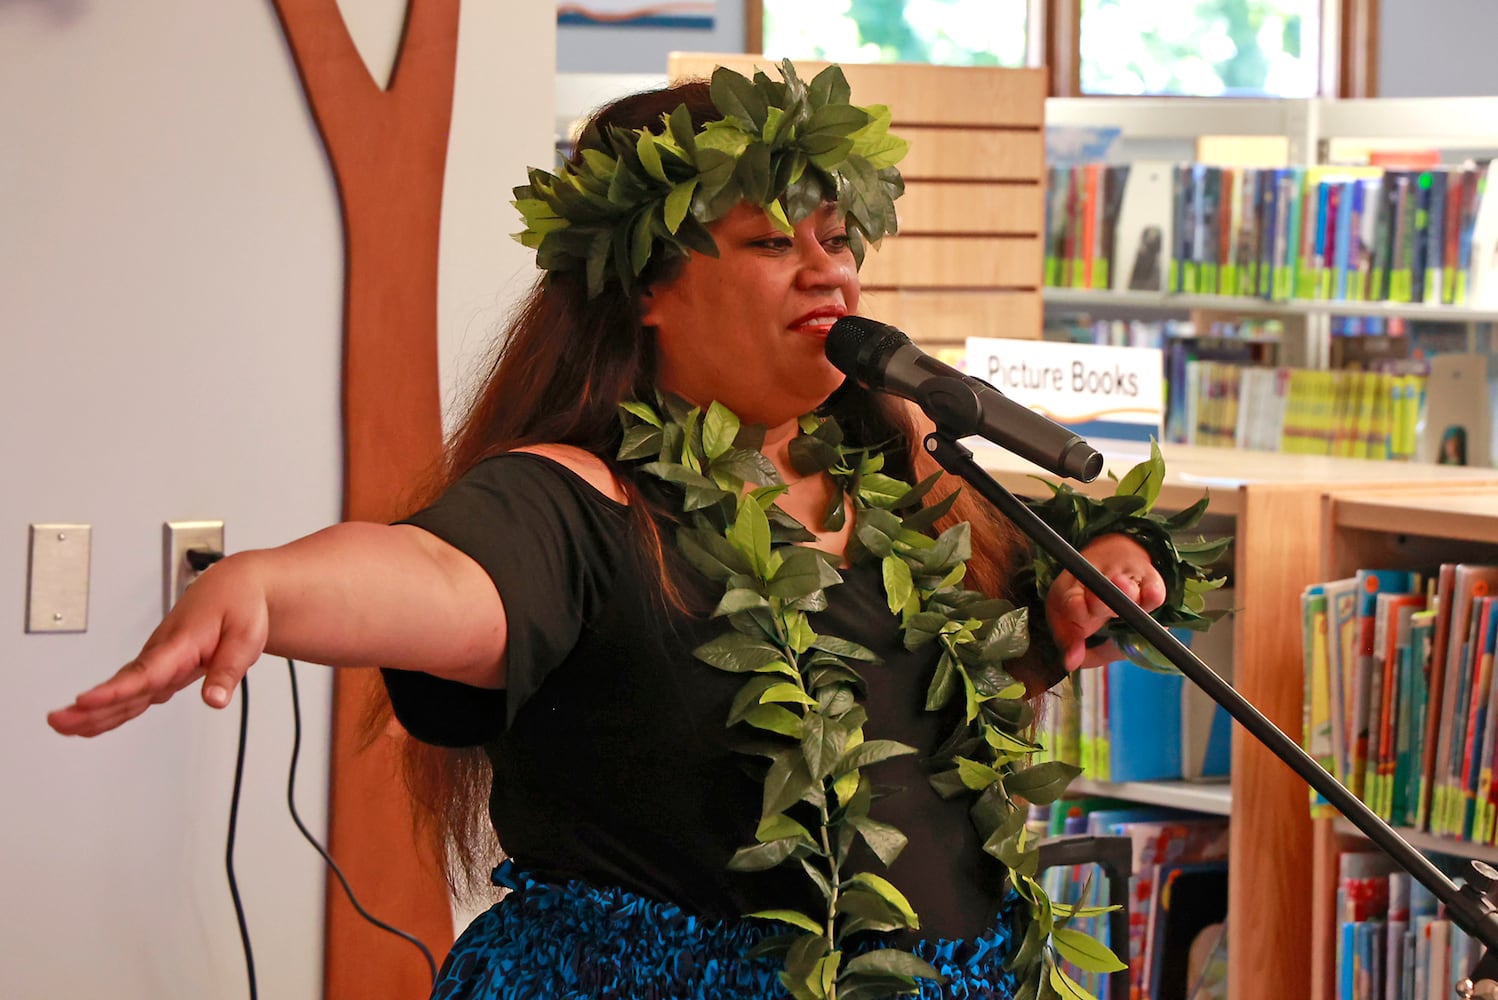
1469 905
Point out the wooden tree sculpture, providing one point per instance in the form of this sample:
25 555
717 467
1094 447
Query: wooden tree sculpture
388 149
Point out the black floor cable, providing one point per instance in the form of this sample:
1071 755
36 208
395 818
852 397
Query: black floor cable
244 930
296 744
200 560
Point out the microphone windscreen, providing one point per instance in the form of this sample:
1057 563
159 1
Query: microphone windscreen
857 346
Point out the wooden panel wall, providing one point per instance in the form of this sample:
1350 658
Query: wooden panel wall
967 260
388 151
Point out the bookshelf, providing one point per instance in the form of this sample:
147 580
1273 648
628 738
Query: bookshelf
1314 131
1415 526
1273 505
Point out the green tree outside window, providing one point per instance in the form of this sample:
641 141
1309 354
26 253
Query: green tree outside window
1202 48
1205 48
946 32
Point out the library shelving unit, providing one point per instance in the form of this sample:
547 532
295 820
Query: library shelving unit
1417 526
1313 131
1273 506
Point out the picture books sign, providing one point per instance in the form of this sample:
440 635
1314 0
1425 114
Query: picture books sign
1105 392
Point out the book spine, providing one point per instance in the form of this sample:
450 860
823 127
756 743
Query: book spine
1230 217
1326 284
1268 223
1434 278
1180 188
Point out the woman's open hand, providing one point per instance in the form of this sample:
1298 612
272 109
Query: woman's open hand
1074 613
216 631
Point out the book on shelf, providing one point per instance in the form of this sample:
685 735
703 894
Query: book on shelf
1423 235
1398 924
1159 845
1061 724
1394 940
1352 412
1440 700
1406 726
1127 723
1206 727
1341 611
1369 668
1316 724
1392 625
1143 231
1478 284
1438 951
1114 182
1057 190
1478 752
1189 903
1086 885
1401 694
1469 583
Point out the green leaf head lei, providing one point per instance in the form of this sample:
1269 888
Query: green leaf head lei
633 195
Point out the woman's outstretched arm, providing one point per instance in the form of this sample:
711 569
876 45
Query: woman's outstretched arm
354 594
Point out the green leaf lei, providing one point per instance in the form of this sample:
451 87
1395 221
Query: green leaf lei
1183 565
783 146
803 689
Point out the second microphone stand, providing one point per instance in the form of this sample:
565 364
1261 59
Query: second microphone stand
1468 905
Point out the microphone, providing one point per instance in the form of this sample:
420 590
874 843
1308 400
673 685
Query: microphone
882 358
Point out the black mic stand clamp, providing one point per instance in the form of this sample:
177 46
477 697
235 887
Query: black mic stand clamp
1468 906
1480 882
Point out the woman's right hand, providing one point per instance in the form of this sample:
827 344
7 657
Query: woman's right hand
216 631
356 594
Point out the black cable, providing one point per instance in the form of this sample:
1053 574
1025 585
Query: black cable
199 560
244 929
296 744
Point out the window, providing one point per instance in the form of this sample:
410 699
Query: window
948 32
1206 48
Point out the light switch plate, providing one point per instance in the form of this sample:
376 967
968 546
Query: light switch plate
57 578
177 537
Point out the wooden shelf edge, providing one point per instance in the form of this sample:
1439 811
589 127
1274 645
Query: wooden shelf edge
1441 516
1235 303
1428 843
1199 796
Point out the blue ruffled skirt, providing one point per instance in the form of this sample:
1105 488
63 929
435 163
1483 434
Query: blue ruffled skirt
578 942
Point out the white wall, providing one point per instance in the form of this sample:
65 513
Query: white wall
1437 48
170 315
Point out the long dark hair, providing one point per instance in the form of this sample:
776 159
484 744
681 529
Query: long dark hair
565 364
